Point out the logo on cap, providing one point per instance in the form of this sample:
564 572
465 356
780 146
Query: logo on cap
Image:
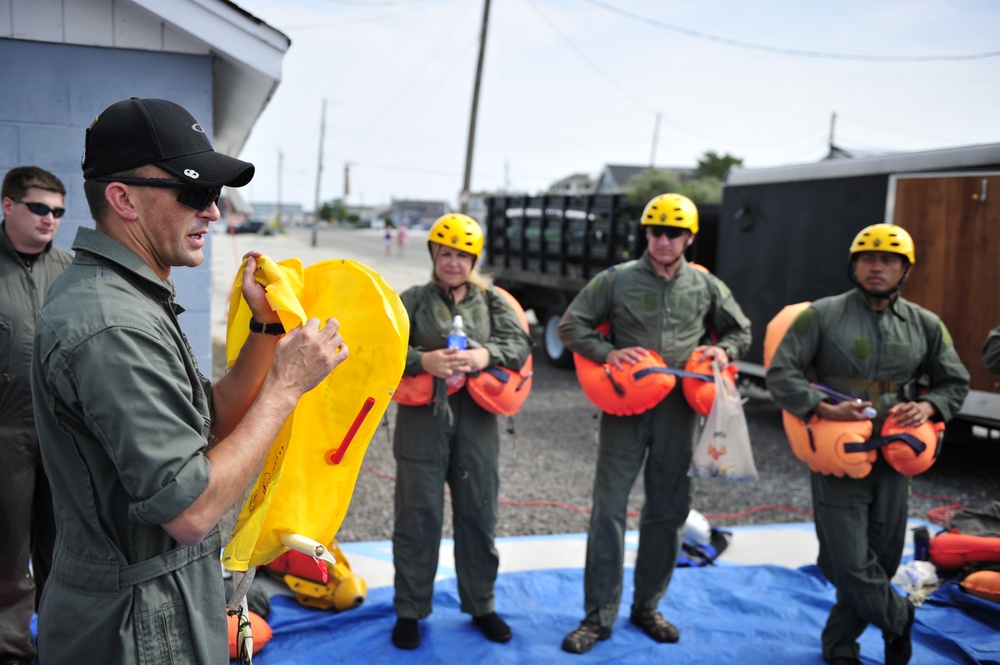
191 173
196 127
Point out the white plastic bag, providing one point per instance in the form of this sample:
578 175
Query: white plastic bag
723 450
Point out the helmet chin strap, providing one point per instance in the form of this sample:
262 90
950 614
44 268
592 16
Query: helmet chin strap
879 296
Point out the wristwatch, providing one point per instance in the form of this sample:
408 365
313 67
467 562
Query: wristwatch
267 328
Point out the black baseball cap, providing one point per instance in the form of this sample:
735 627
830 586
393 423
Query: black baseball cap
135 132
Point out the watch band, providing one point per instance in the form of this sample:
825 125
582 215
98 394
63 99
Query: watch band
266 328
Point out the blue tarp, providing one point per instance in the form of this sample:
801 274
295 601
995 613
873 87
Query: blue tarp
743 615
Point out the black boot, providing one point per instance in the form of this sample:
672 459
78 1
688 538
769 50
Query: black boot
494 628
899 650
406 634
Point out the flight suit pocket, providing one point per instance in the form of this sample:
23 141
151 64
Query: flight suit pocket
163 636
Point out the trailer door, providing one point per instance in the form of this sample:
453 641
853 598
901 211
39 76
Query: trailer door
955 223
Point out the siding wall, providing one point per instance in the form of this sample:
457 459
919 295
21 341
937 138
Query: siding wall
55 90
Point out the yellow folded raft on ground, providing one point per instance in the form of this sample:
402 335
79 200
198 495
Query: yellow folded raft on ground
308 477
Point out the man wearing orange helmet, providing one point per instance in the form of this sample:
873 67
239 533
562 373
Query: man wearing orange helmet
894 356
453 440
661 303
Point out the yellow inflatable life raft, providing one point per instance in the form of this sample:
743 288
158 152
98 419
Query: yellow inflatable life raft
308 476
320 584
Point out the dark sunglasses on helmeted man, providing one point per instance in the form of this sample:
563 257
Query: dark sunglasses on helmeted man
669 231
192 196
41 208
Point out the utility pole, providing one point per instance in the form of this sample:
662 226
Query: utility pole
319 172
656 139
281 161
464 195
833 127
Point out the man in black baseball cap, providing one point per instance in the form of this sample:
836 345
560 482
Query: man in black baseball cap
135 132
145 455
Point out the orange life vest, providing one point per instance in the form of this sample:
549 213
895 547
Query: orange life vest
502 390
912 450
833 447
699 393
953 551
825 445
261 630
418 389
627 391
983 584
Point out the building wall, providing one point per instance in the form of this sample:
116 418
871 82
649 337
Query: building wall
54 91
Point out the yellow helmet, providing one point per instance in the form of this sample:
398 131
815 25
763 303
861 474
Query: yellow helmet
458 231
884 238
671 210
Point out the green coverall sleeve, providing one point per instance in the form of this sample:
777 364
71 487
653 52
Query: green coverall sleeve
949 379
591 307
729 322
786 376
991 351
509 345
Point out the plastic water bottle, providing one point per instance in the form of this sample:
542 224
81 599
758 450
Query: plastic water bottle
921 543
457 339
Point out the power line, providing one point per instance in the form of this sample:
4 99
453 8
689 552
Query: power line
784 51
593 65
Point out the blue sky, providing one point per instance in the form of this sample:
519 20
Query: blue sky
571 85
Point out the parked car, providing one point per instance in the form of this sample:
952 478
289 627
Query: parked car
258 226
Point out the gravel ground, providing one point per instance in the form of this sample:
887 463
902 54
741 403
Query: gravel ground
549 452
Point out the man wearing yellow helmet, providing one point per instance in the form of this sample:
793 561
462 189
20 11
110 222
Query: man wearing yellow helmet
660 303
452 440
897 357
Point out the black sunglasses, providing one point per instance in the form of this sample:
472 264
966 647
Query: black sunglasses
669 231
192 196
41 208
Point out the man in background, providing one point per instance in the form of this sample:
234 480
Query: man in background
32 200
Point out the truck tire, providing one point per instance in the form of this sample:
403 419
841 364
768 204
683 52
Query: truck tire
556 354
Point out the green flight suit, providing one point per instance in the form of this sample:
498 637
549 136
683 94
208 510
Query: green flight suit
124 418
672 318
886 357
991 351
28 528
462 451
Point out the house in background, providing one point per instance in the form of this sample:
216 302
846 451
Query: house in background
65 61
614 178
578 184
414 213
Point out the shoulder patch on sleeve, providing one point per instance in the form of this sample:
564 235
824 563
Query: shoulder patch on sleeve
802 322
946 339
